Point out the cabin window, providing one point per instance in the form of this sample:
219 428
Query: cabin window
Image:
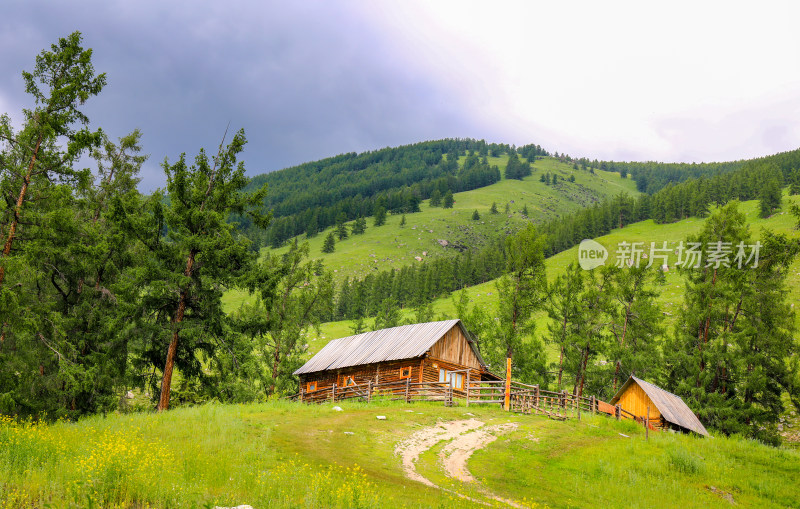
456 380
348 381
311 386
405 372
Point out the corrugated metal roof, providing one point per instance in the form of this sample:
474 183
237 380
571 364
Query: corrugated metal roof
403 342
672 407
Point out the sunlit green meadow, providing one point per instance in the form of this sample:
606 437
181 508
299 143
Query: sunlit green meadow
284 454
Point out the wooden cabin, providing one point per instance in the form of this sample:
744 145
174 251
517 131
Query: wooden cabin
667 411
422 352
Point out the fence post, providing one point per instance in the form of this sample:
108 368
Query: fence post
593 405
468 372
507 399
408 385
537 398
369 391
647 424
617 412
333 393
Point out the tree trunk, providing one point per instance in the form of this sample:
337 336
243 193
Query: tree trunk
276 361
622 344
166 381
584 361
18 208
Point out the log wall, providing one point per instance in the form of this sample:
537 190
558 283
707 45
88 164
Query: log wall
454 348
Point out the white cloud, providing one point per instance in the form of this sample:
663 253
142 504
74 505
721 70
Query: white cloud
686 80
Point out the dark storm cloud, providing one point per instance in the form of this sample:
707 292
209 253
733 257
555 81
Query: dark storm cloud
305 80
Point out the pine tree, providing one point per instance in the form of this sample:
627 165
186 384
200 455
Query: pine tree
199 256
521 292
62 80
476 216
436 198
341 228
769 196
508 208
380 216
735 332
448 200
295 294
525 210
329 246
635 324
313 226
403 221
564 309
494 210
359 226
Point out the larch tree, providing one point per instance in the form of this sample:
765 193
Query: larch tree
735 332
194 254
521 292
295 295
635 324
62 80
565 312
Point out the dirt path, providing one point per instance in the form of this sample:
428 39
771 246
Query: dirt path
465 438
410 449
455 455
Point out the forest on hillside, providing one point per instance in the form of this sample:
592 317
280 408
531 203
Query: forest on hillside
104 289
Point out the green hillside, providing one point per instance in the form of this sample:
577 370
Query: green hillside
283 454
669 299
393 246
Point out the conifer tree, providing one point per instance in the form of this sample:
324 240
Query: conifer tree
295 294
436 198
380 216
475 215
189 267
736 330
448 200
341 228
62 80
329 246
494 210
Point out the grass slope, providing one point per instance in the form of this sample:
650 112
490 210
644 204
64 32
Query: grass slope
283 454
671 296
391 245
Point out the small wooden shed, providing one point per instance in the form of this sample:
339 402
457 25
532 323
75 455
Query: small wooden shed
422 352
667 411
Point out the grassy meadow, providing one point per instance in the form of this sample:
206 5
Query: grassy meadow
392 246
284 454
670 298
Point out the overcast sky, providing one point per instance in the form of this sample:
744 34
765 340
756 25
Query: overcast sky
676 81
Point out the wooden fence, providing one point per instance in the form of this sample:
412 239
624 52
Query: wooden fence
524 398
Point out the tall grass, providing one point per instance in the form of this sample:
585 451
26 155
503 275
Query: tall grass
185 458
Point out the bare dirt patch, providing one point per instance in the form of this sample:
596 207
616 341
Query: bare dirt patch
410 449
455 455
465 438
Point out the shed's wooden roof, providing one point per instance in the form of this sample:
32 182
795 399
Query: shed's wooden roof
403 342
672 407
